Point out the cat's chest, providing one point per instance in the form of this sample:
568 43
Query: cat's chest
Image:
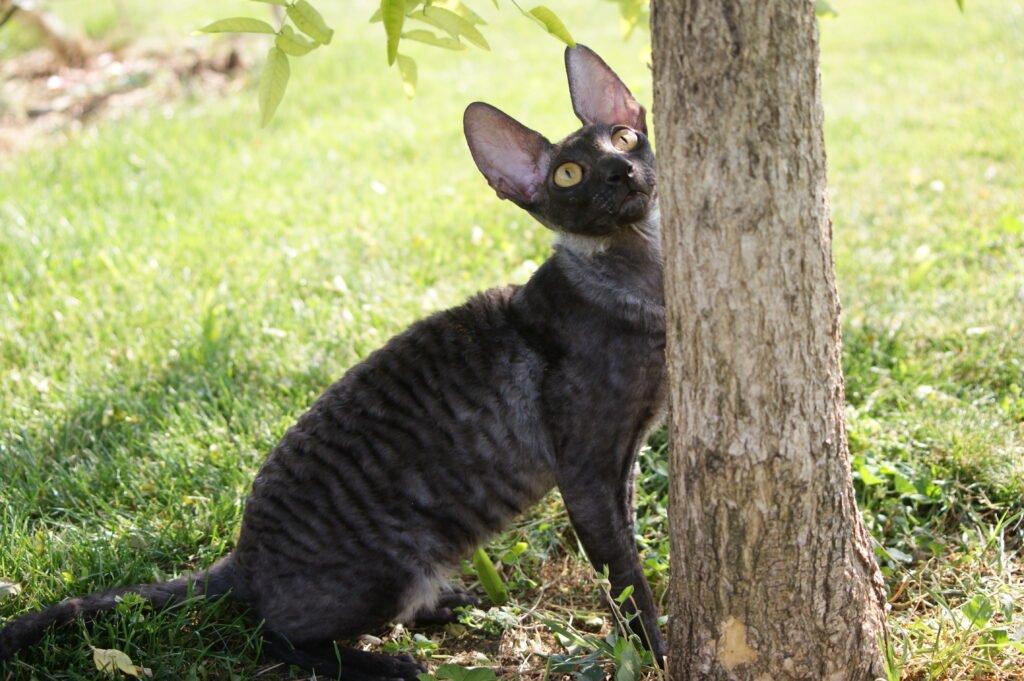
622 369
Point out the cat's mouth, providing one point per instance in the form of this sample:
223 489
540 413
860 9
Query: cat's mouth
634 206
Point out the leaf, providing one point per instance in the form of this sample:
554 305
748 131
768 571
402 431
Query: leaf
824 9
978 611
566 637
514 552
410 5
111 661
453 672
626 593
8 589
238 25
998 637
279 3
960 4
867 476
453 24
294 44
460 9
393 13
550 21
309 21
902 485
897 555
489 578
633 13
628 668
273 83
424 36
407 69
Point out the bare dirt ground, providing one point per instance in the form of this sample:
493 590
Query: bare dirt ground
43 98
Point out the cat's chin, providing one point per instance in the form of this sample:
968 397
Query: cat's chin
634 207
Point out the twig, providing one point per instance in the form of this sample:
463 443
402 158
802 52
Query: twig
8 14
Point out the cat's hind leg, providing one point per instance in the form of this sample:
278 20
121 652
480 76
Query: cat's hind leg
332 661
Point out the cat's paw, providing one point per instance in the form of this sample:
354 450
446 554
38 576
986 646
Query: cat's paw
444 611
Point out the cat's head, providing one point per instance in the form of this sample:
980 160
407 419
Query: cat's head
597 180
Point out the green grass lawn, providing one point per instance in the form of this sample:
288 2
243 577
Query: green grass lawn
176 287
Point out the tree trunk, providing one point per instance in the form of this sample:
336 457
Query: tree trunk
773 575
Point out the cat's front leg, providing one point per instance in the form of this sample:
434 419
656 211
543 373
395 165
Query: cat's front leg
443 612
600 510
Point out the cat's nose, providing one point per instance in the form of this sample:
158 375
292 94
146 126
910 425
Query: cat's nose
617 171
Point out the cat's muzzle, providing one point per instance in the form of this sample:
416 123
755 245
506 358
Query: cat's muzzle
635 206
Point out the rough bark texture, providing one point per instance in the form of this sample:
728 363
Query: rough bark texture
773 576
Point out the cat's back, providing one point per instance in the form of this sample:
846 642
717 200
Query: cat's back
428 446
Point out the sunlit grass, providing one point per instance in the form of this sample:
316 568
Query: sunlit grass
175 288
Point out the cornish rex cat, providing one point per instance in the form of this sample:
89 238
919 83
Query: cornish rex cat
438 440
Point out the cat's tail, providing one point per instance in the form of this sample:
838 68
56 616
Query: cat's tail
28 629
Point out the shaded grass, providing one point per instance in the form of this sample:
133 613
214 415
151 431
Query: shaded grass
176 288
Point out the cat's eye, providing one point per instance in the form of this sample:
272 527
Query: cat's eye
568 174
625 139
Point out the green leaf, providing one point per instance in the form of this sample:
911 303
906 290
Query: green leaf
633 13
626 593
489 578
550 21
998 637
960 4
393 13
628 668
407 69
273 83
513 553
903 486
424 36
453 672
410 6
898 555
824 9
238 25
978 611
309 21
460 9
453 24
294 44
867 476
279 3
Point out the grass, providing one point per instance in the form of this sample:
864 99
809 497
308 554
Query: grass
176 287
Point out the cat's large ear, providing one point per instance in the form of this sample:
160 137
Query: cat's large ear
513 158
598 96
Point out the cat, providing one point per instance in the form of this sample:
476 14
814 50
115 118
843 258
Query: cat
438 440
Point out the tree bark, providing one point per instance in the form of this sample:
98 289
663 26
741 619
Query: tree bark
773 575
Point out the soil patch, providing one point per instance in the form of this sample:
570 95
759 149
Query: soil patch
43 99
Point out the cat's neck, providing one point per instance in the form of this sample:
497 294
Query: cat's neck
642 238
623 272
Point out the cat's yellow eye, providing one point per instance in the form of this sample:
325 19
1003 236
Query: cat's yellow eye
568 174
625 139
